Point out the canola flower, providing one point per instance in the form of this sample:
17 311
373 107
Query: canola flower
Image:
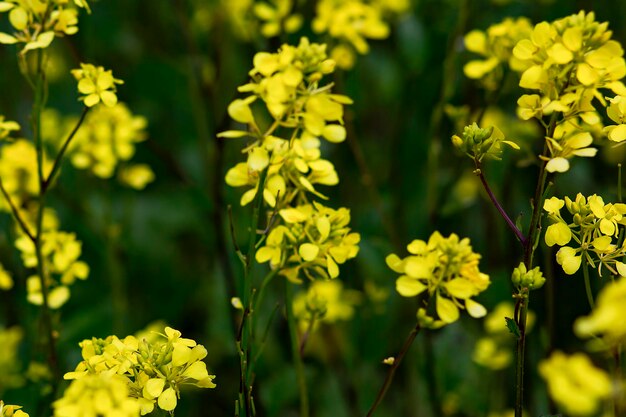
605 325
96 84
304 111
37 22
269 18
575 384
313 241
567 62
153 370
593 229
7 410
495 45
324 302
446 268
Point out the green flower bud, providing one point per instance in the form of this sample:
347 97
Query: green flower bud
523 278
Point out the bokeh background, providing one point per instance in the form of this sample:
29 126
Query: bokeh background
165 253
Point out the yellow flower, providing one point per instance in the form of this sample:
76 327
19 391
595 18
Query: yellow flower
6 127
446 268
97 85
136 176
617 112
325 301
574 383
7 410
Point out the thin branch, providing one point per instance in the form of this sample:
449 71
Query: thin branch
16 213
518 233
59 158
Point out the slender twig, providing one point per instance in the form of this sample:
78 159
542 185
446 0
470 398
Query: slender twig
295 351
392 370
518 233
59 158
587 283
522 310
16 213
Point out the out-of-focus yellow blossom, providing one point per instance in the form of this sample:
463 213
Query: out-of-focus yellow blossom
575 384
313 241
480 143
7 410
616 110
136 176
496 46
606 322
107 138
97 85
326 302
37 22
288 84
352 22
445 267
6 282
61 252
495 350
7 127
18 170
153 368
97 395
10 366
594 226
277 17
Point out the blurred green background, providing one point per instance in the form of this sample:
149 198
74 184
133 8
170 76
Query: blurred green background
165 253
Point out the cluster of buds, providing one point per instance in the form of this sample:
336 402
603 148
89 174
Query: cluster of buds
522 278
593 228
447 269
480 143
154 370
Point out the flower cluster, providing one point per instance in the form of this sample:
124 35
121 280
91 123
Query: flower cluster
606 322
10 375
61 252
523 278
447 269
276 17
593 228
496 46
97 395
480 143
153 369
97 85
37 22
577 386
312 242
567 62
7 410
105 141
616 110
326 302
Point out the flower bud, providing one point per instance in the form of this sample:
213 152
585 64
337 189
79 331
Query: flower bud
532 279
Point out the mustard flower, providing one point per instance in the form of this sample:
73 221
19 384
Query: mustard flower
7 127
569 140
575 384
97 395
6 281
312 241
277 17
136 176
153 368
7 410
593 227
616 110
605 325
496 47
445 268
325 301
97 85
37 22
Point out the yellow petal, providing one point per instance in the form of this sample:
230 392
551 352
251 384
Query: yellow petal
334 133
587 75
153 388
409 287
558 234
91 100
58 296
197 371
475 309
558 164
460 288
108 98
167 400
258 159
308 251
180 355
447 311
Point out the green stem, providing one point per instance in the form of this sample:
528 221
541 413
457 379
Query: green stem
59 158
295 351
587 284
16 214
519 356
42 272
392 370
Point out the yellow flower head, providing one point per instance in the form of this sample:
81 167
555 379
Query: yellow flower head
574 383
7 410
447 268
7 127
325 301
312 241
37 22
616 110
97 85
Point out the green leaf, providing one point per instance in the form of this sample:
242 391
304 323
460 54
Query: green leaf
512 326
